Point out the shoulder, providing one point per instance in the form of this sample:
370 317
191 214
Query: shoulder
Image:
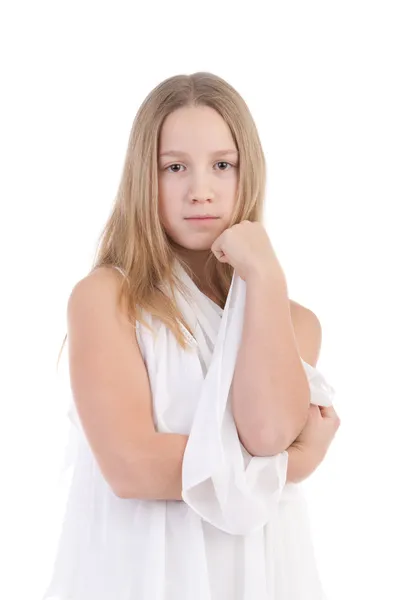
102 279
98 290
308 332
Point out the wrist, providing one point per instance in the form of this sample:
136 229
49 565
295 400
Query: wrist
301 464
266 275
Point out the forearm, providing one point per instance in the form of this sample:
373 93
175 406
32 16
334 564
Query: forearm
300 465
155 473
158 471
270 390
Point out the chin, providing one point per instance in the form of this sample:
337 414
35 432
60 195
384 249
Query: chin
195 247
195 243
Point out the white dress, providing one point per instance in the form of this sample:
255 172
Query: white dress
240 532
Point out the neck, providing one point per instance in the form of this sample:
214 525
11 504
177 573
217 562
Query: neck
196 260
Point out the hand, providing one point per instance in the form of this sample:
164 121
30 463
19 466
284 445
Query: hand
318 432
247 248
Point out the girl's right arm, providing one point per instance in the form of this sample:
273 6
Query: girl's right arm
111 391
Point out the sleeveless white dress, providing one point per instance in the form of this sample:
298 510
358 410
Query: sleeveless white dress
240 532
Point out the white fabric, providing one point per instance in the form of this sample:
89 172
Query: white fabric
240 532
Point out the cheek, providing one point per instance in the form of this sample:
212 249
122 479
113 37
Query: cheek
229 203
169 211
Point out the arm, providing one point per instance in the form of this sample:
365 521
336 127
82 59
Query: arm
300 465
158 473
112 394
111 390
270 391
155 471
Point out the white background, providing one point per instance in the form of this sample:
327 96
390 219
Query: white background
322 82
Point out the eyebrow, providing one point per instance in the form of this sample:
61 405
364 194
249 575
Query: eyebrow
217 152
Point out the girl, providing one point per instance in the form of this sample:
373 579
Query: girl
197 406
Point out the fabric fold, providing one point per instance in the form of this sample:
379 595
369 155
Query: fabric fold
222 482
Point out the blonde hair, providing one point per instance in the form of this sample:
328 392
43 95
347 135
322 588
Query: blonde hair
133 238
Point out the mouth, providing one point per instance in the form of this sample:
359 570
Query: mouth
201 218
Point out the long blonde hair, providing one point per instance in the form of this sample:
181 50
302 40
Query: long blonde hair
133 238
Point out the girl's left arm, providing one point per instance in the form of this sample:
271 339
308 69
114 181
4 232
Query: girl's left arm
270 391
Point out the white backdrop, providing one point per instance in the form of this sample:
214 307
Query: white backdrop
322 81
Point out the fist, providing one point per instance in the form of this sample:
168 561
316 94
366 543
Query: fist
247 248
318 432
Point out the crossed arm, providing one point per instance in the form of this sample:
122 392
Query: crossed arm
270 390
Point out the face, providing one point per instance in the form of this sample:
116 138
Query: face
198 176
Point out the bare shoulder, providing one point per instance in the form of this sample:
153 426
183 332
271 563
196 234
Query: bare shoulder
101 277
308 332
98 290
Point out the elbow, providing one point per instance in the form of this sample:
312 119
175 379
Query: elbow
261 443
125 491
123 480
121 491
271 442
119 488
132 485
271 445
136 482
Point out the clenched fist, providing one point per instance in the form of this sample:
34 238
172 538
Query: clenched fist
247 248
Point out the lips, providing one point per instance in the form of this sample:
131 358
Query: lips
201 217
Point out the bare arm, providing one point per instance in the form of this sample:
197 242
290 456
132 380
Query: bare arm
300 465
155 472
112 394
111 390
270 391
160 468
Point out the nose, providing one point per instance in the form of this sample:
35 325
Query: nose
201 199
200 191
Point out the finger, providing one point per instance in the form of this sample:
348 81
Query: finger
315 410
328 412
217 251
215 246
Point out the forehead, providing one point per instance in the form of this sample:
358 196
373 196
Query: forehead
192 128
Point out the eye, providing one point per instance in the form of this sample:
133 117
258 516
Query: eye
223 162
174 165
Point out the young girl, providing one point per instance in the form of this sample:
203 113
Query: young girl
197 406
